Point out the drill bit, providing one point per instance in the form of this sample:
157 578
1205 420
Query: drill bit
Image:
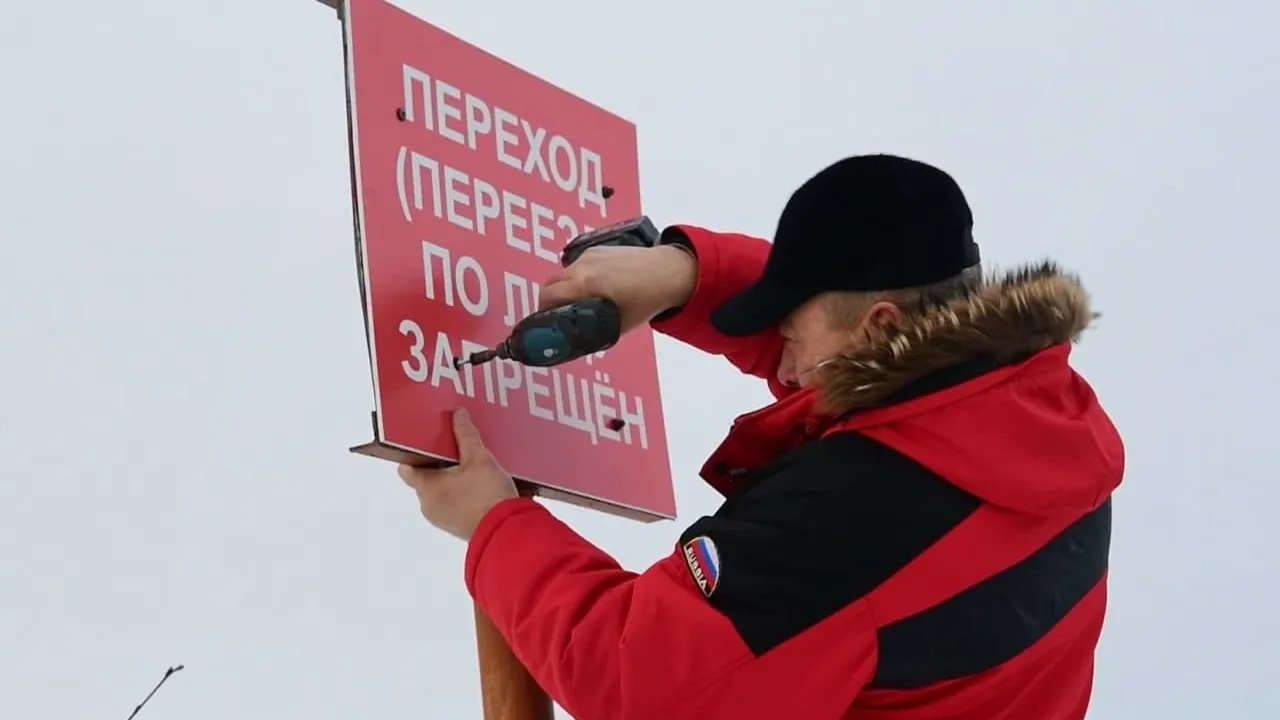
479 358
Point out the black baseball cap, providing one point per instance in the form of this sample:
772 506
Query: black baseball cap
865 223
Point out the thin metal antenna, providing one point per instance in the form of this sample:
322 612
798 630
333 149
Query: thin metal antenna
167 673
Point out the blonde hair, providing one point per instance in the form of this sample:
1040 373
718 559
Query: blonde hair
846 310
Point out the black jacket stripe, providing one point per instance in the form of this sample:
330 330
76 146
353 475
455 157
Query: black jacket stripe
999 618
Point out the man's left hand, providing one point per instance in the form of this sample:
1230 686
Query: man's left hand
454 499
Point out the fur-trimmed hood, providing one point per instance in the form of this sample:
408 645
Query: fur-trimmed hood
1011 315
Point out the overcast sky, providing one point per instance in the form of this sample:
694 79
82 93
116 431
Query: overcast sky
184 368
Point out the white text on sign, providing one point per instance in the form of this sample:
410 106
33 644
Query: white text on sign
465 281
464 118
476 205
552 394
586 401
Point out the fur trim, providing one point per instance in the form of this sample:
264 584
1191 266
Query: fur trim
1011 315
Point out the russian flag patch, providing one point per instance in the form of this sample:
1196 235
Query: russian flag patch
704 563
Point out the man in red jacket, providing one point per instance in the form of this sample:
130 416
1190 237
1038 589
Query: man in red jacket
919 526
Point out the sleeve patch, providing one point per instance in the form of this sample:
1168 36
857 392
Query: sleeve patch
703 560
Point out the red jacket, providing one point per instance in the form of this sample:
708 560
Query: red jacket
932 544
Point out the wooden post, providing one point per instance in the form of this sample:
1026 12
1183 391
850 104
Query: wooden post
508 689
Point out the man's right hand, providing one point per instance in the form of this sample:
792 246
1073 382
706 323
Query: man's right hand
642 281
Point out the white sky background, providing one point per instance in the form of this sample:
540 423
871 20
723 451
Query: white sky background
183 362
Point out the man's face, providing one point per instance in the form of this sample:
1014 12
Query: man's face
809 337
813 333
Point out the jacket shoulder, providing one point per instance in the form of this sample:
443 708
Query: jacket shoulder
815 530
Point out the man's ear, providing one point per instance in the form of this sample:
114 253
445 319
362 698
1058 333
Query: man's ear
884 313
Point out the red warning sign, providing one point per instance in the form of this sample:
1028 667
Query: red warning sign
469 176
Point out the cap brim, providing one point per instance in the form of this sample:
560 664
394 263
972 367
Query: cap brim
759 307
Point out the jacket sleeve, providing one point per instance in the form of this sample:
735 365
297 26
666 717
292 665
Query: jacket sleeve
758 613
603 642
727 264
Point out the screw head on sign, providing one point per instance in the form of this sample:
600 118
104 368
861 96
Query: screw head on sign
607 192
401 115
616 424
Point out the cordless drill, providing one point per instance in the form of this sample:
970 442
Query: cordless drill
558 335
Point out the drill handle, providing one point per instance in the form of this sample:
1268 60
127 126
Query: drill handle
635 232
